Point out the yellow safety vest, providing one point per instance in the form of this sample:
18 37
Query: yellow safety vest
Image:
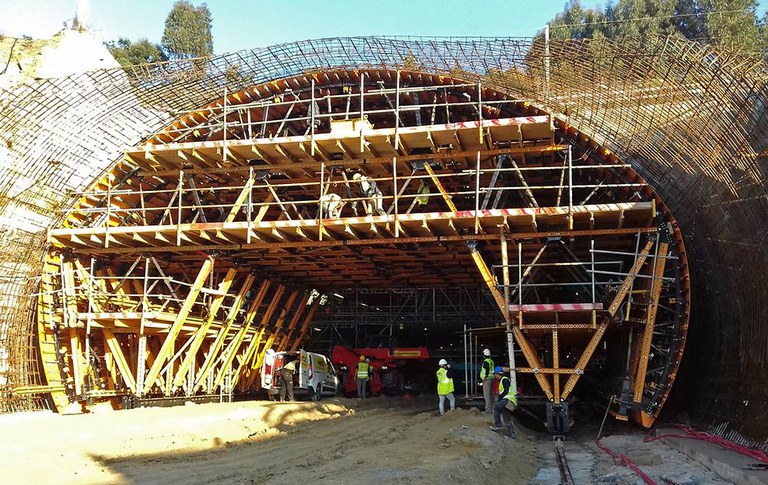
444 383
362 370
512 394
489 374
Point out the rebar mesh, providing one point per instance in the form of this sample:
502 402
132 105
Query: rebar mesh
690 119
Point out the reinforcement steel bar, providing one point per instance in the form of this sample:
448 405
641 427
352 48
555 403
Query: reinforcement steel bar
687 116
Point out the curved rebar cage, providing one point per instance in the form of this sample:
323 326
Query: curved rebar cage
689 119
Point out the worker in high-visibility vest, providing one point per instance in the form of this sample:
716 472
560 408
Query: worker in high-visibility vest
445 386
486 380
505 403
286 378
363 373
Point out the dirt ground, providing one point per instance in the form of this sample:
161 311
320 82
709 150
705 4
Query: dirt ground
342 441
339 441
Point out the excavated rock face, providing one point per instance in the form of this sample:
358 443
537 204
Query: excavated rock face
689 119
67 53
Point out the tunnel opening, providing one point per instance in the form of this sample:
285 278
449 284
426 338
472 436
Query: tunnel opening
254 223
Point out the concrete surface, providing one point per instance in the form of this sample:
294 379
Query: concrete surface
729 465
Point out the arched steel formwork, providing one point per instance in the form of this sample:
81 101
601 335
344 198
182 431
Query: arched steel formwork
689 119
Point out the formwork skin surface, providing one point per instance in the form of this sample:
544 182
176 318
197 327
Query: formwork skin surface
690 119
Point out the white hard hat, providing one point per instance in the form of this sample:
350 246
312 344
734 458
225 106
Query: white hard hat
356 176
270 352
442 362
487 353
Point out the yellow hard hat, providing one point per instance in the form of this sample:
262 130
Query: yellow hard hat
362 357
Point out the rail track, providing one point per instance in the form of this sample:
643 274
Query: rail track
566 478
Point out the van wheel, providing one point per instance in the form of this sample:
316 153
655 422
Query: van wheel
319 392
314 395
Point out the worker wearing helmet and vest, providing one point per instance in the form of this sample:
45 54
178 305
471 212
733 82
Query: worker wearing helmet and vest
486 380
505 403
362 376
445 386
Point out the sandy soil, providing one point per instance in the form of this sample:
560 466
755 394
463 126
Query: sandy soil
336 441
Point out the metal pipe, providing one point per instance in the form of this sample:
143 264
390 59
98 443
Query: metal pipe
466 364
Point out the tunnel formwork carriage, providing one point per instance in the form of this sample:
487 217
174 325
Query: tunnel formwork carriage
215 239
688 118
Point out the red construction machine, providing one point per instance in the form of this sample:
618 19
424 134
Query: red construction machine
395 371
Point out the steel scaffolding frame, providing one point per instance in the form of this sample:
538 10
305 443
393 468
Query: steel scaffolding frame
694 127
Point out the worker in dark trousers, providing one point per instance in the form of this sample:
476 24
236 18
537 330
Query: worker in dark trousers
505 404
286 376
375 199
486 380
363 373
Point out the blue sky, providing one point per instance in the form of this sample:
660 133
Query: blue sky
243 24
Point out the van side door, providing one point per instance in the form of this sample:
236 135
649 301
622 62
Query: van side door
267 372
305 369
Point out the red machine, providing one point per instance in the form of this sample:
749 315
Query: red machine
390 373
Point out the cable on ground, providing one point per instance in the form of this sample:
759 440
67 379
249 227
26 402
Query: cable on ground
704 436
624 459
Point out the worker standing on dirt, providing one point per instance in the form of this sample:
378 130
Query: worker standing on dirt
286 376
445 386
486 380
505 404
362 376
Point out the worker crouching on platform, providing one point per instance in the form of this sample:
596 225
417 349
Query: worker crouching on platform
375 199
486 380
505 404
363 373
445 386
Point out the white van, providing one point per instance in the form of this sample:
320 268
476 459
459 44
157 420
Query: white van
315 374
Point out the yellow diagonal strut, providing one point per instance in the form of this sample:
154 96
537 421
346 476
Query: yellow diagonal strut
650 322
598 335
440 187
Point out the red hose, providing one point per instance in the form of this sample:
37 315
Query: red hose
701 435
626 461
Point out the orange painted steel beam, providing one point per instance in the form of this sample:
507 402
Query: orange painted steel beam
612 309
650 322
556 364
363 242
170 340
202 331
533 360
305 326
291 326
360 161
213 351
237 340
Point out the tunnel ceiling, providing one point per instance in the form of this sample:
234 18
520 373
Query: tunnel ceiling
689 119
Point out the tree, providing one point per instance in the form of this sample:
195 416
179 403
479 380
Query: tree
576 22
187 31
727 23
129 53
732 23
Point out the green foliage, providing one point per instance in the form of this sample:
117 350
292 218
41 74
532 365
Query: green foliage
187 31
576 22
732 24
129 53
